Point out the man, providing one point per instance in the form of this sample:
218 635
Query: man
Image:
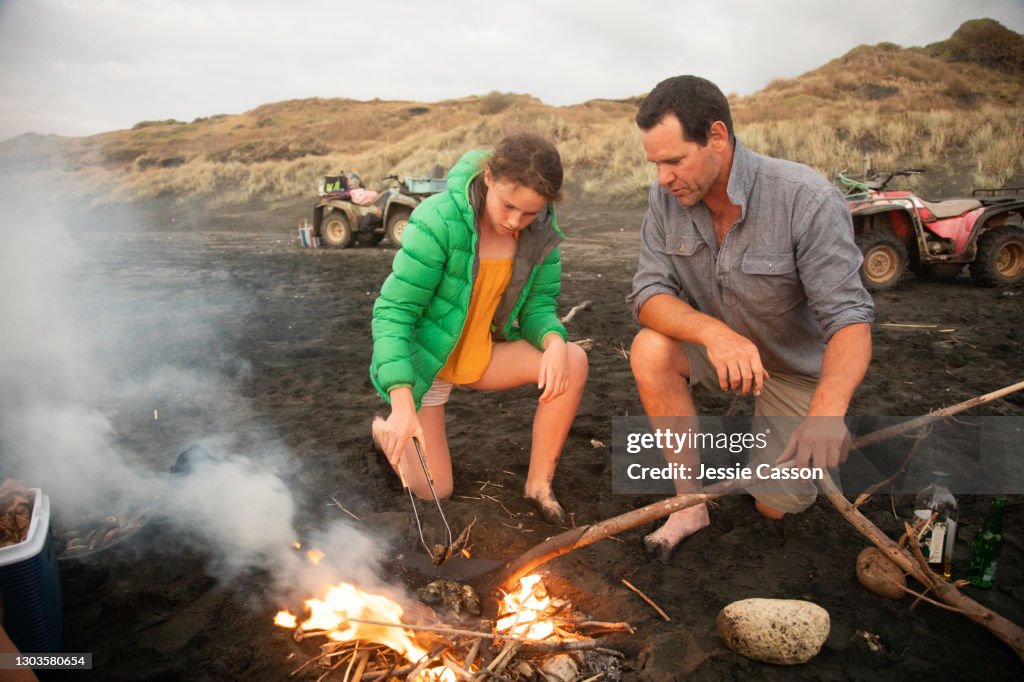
748 281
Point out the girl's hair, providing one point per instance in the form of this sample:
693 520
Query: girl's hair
530 160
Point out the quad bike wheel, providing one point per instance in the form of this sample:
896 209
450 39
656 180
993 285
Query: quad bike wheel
1000 259
885 260
397 222
335 231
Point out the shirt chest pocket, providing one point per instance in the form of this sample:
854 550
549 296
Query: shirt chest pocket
768 283
683 245
693 261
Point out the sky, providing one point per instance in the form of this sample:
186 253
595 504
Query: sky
80 67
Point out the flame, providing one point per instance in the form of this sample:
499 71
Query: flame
286 620
314 556
524 609
343 602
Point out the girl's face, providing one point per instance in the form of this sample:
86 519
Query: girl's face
510 207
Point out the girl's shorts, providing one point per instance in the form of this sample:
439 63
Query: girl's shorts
437 394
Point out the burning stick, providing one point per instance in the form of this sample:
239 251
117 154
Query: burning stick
543 648
646 599
425 661
600 625
502 660
460 672
360 667
473 651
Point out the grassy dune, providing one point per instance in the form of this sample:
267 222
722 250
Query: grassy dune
955 108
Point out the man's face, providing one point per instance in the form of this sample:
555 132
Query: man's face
686 169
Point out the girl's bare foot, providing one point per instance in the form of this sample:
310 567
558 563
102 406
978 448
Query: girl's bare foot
680 525
548 508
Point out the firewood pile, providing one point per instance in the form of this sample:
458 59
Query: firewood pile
534 637
15 512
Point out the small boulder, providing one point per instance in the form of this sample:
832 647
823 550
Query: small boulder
781 631
877 572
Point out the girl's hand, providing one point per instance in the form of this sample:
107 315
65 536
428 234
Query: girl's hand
553 376
401 425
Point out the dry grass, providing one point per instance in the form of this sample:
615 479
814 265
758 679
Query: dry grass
897 107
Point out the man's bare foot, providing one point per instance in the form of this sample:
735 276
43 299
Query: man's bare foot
680 525
548 508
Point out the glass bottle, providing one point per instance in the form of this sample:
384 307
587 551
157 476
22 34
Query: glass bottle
987 545
937 504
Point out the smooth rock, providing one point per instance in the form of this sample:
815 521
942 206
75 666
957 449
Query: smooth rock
877 572
782 631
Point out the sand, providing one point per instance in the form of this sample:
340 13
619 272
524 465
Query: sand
287 332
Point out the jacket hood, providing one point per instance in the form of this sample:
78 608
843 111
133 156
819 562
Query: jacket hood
461 175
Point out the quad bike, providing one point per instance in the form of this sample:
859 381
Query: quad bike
340 222
897 230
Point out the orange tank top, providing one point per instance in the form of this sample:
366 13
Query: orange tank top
472 353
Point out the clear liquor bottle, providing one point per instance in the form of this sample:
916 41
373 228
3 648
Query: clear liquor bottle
936 504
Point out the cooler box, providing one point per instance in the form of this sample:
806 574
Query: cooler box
307 238
33 611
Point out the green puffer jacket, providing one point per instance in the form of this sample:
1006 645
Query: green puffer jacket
422 307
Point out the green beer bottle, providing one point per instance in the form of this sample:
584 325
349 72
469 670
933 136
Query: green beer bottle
987 545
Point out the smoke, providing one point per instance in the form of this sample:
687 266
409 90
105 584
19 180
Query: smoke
113 360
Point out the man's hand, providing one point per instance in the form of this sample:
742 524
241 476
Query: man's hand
823 440
553 375
737 361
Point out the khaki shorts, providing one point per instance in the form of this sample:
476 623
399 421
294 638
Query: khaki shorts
784 397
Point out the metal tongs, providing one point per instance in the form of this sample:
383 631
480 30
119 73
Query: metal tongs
438 554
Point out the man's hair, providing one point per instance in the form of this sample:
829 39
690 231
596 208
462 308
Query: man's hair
695 101
530 160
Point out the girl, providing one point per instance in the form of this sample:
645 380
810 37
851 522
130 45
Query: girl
471 301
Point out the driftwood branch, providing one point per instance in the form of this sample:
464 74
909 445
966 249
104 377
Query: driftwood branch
575 538
866 495
1011 633
935 415
573 311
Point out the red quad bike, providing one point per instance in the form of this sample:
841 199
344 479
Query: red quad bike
897 230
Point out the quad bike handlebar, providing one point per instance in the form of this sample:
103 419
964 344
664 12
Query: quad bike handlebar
874 181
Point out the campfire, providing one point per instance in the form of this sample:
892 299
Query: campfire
369 637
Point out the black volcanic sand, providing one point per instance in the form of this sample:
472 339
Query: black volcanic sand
290 329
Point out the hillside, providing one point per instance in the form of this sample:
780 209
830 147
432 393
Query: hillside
953 107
